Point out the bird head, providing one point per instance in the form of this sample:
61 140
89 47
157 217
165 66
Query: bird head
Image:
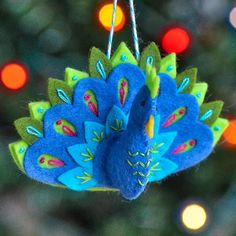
144 106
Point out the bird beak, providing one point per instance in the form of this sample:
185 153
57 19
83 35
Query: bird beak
150 127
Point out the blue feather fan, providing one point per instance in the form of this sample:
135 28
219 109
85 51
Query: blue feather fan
120 127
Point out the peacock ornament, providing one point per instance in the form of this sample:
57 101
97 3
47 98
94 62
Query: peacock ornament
125 124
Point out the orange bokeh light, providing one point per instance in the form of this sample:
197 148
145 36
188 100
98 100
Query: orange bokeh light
14 76
176 39
105 17
230 133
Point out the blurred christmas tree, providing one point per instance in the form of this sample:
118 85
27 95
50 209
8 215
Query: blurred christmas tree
47 36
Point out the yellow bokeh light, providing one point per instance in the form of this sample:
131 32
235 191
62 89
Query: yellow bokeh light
194 217
105 17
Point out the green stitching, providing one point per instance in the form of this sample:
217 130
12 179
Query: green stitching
119 126
85 178
89 155
136 164
139 173
133 154
140 183
98 138
153 168
152 150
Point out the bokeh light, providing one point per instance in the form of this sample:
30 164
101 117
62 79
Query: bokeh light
230 133
105 17
14 76
232 17
176 39
194 217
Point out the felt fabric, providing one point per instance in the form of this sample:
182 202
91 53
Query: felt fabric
218 128
199 91
29 129
78 179
168 65
116 121
38 109
152 81
187 128
122 55
186 80
59 92
83 154
160 169
48 146
209 112
72 77
18 150
150 55
95 135
99 65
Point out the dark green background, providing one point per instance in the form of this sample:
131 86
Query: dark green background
50 35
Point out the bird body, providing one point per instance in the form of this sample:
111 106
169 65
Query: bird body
120 127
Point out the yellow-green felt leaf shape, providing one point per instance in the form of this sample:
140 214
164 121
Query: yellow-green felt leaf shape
59 92
209 112
185 81
168 65
218 128
99 65
18 150
72 76
199 92
38 109
123 55
150 55
152 81
29 129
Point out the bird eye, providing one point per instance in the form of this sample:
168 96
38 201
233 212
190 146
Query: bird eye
143 103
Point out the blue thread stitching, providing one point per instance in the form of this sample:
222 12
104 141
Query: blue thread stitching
184 84
124 58
31 130
62 95
74 78
170 68
150 60
22 150
206 115
100 69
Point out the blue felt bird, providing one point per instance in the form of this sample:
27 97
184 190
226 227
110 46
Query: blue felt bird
121 126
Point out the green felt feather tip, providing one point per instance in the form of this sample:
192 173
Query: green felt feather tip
72 76
99 65
218 128
123 55
209 112
168 65
29 129
38 109
185 81
199 92
59 92
18 150
150 55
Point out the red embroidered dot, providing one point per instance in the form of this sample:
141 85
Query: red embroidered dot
86 97
182 112
192 142
59 122
42 160
124 83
